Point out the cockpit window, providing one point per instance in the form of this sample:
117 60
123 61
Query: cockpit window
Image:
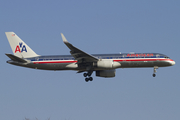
166 57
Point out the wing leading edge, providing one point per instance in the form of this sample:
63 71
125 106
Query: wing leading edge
78 54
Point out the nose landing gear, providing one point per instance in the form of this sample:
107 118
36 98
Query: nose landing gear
155 67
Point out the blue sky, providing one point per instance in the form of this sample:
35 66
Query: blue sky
96 27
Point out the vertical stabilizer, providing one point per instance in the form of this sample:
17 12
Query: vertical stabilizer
19 47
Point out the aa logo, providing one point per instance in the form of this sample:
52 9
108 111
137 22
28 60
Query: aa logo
20 48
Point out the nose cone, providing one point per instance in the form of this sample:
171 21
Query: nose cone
173 62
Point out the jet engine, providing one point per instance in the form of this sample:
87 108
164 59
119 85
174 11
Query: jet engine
106 73
107 64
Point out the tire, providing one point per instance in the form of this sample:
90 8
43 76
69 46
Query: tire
91 79
85 74
86 79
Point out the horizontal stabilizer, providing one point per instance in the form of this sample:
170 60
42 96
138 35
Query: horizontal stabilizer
15 58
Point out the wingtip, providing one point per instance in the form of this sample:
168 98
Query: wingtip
63 38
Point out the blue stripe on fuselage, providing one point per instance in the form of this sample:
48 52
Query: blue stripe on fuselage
99 56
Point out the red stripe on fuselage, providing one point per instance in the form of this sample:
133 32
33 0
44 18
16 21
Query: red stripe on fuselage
45 62
117 60
121 60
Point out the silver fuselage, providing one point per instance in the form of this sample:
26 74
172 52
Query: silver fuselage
67 62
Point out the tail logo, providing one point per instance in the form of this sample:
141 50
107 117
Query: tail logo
20 48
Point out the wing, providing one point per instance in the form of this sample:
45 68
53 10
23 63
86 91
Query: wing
78 54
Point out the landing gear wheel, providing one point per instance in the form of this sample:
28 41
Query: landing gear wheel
85 74
89 74
91 79
86 79
154 75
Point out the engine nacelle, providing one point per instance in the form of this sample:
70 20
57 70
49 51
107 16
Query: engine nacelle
106 73
107 64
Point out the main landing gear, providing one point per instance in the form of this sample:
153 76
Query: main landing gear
89 78
155 67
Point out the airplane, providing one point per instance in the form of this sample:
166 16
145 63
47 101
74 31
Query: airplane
104 65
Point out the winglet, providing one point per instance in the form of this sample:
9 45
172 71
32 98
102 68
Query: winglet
64 39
